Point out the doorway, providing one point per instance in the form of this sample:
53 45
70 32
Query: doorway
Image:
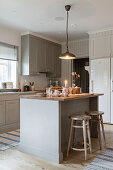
79 68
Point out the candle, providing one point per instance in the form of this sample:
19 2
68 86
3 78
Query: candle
66 83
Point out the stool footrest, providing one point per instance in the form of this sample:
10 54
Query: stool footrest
77 126
77 149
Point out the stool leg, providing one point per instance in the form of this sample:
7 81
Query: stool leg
70 134
99 133
103 129
89 136
74 134
85 139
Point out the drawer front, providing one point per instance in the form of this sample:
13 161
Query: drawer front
1 97
2 113
11 97
12 111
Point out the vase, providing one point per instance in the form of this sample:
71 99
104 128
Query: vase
75 90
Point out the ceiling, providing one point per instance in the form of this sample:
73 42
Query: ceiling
39 16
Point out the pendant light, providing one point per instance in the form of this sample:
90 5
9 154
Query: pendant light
67 55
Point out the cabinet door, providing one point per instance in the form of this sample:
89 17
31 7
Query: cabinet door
12 111
33 55
57 60
50 56
100 47
37 55
41 55
2 113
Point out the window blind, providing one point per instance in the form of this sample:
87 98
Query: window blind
8 52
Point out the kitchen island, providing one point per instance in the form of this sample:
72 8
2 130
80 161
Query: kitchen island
44 123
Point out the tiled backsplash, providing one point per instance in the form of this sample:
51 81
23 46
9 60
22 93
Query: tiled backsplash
40 81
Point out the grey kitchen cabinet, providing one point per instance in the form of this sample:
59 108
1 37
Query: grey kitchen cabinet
32 55
40 56
2 113
57 60
29 55
12 111
52 60
50 56
9 112
37 55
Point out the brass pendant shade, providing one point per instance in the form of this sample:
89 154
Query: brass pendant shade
67 55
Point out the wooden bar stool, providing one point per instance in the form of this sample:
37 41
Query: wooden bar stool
80 121
96 116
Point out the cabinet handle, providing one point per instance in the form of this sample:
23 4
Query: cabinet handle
112 85
92 86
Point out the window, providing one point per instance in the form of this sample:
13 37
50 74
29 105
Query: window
8 64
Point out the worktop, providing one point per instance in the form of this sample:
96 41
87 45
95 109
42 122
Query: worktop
18 93
70 97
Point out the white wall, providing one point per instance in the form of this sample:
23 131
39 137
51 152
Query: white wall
13 37
9 36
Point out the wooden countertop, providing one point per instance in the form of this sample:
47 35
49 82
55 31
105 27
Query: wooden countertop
70 97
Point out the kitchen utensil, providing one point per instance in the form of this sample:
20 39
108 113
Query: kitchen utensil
3 84
32 88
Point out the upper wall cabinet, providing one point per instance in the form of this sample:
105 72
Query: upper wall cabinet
99 47
40 56
57 61
37 55
53 63
50 57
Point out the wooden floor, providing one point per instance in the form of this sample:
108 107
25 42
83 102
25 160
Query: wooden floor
13 159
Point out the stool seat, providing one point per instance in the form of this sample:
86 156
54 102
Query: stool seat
80 117
94 113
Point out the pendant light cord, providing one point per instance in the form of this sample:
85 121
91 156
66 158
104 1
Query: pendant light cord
67 55
67 32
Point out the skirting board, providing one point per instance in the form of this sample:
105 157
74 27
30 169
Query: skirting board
57 158
9 127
